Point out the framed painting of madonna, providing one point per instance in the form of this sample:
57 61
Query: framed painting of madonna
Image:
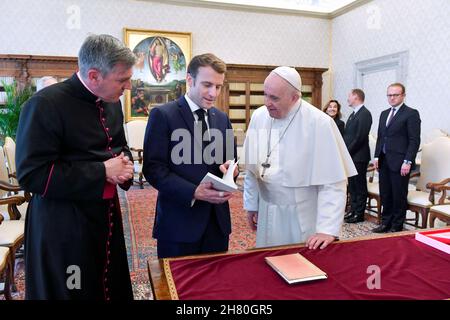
159 75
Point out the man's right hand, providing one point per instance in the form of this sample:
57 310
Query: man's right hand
206 193
375 163
118 169
252 217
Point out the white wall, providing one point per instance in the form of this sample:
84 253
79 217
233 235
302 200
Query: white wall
383 27
47 27
421 27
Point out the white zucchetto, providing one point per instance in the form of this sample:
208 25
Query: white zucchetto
291 76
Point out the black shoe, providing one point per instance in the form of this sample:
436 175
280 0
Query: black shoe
396 229
355 218
381 229
348 215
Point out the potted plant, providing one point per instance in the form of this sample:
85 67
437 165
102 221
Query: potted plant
10 112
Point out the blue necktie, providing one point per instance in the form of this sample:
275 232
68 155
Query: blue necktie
387 125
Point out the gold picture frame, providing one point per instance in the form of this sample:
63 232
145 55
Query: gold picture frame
159 76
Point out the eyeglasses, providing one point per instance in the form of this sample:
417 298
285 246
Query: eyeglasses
394 95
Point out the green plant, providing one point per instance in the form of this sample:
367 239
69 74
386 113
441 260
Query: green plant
10 112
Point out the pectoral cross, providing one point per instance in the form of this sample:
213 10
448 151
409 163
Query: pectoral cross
265 166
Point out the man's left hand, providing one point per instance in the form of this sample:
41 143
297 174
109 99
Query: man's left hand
319 239
224 168
406 168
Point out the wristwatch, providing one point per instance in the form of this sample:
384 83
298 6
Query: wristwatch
407 162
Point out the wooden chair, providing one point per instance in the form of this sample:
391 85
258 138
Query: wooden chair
441 211
5 271
373 189
13 227
135 132
10 152
430 137
435 166
7 251
372 183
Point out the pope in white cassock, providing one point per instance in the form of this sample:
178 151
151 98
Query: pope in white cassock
297 167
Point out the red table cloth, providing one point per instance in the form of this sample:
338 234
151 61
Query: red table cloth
408 268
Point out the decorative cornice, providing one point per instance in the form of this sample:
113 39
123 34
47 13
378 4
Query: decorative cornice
248 8
348 8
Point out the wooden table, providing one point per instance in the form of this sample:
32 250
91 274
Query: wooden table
159 281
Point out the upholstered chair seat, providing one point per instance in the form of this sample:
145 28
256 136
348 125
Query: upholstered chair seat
5 271
434 168
11 232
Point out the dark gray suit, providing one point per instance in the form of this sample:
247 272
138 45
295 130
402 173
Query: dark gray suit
356 137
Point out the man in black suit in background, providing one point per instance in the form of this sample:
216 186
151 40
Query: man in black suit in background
395 153
356 137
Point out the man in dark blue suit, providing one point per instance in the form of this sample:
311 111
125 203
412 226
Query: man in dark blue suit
356 137
184 140
395 153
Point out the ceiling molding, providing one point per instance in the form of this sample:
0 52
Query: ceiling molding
249 8
347 8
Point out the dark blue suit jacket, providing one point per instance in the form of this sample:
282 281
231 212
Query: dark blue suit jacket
176 220
356 135
402 137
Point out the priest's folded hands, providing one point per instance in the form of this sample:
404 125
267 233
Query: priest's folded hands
119 169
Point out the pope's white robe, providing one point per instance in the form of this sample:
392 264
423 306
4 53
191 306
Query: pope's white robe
304 190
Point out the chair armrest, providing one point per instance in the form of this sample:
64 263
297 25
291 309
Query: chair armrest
139 152
13 202
414 175
438 187
444 193
371 169
9 187
438 184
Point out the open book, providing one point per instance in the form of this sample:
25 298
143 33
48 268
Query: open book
295 268
223 184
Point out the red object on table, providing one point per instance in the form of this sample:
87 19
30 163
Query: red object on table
408 269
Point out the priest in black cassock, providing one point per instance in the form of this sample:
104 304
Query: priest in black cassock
71 154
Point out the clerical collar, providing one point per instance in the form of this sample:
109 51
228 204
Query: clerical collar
85 85
194 107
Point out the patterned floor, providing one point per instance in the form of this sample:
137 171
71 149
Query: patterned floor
138 207
138 214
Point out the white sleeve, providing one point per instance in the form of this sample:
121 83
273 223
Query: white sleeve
251 193
331 200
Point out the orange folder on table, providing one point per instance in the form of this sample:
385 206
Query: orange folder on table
295 268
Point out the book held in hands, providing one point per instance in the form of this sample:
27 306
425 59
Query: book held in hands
223 184
295 268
